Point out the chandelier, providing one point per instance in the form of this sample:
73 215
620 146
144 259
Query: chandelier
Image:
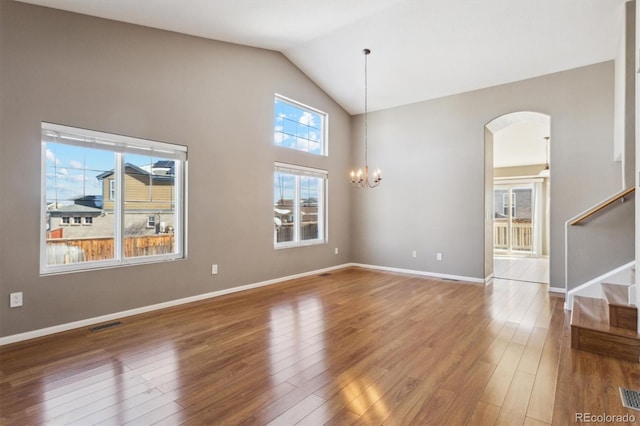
546 172
360 178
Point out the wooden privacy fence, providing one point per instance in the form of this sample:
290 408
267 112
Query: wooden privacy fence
309 231
73 250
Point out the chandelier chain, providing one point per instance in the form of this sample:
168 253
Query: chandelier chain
360 179
366 110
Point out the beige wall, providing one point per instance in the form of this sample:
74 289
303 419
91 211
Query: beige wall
432 155
216 98
488 204
517 171
630 67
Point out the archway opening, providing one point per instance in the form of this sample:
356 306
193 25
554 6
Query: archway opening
517 194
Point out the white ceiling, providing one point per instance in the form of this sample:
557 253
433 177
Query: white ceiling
519 139
520 144
421 49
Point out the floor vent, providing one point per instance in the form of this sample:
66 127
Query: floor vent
326 274
630 398
105 326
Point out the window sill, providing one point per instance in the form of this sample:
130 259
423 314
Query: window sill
106 264
300 244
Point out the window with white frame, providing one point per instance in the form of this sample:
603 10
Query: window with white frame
299 200
132 179
509 202
151 221
299 127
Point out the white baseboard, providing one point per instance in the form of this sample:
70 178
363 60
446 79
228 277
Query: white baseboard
144 309
422 273
557 290
117 315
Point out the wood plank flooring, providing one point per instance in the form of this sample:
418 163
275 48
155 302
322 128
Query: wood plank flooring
357 346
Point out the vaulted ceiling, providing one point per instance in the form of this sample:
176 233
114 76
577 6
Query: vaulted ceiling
421 49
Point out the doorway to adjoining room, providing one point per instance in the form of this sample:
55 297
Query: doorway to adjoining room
520 196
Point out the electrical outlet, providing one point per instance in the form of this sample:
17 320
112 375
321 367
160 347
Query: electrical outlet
214 269
438 256
415 254
336 250
15 300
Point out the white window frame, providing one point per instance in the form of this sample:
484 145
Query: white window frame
299 171
324 143
151 221
67 222
120 145
112 189
506 205
88 220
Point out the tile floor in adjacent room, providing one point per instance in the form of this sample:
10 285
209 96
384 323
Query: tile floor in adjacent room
530 269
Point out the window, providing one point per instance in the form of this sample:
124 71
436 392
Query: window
505 204
298 205
151 221
128 181
299 127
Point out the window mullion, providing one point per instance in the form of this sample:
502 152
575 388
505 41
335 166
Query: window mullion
296 211
119 199
178 208
320 218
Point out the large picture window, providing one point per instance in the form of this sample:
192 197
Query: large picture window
298 205
116 183
299 127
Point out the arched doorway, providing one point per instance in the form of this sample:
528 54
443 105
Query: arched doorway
517 188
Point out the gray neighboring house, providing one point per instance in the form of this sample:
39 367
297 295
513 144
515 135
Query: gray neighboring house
75 221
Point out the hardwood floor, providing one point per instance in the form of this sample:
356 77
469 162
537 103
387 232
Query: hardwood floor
356 346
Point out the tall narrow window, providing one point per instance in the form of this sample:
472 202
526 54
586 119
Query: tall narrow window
299 127
116 183
299 205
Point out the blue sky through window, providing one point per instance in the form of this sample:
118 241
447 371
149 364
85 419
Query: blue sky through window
298 128
71 171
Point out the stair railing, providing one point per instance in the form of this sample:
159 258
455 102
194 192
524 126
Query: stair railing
600 206
581 217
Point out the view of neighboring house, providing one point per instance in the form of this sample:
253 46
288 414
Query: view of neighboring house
149 193
85 230
149 197
73 221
